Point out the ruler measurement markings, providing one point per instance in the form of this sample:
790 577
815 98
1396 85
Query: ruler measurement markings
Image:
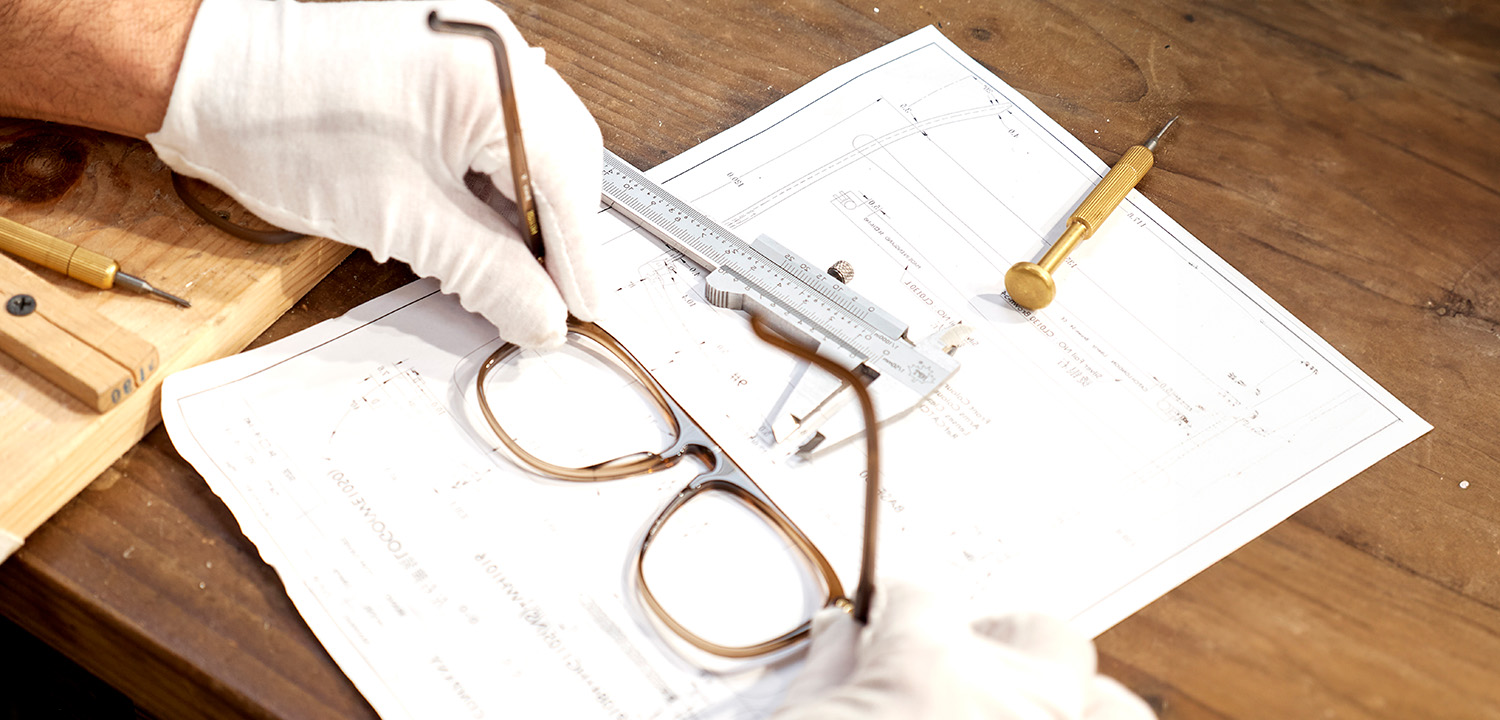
851 302
637 195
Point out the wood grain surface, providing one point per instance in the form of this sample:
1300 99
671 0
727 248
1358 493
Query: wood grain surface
1342 154
113 196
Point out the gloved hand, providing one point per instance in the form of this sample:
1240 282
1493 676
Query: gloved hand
354 121
912 662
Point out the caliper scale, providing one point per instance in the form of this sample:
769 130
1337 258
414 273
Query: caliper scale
800 301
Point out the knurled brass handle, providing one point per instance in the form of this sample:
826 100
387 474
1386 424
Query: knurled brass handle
56 254
1107 195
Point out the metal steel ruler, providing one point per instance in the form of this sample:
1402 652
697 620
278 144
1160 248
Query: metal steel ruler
799 299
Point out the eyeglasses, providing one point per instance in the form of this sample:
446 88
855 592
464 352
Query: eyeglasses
689 440
722 475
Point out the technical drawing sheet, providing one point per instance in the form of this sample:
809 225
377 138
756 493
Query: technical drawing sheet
1085 459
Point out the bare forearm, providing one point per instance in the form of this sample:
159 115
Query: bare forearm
106 64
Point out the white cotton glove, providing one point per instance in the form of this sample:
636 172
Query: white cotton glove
354 121
912 662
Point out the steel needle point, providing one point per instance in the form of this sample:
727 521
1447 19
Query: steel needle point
1151 144
140 285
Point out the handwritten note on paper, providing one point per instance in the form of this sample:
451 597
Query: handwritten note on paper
1086 458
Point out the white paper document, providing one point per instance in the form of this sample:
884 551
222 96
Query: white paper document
1084 460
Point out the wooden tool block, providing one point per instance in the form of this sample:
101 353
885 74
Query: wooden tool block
113 196
79 350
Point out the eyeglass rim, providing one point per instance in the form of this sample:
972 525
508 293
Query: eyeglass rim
833 588
620 467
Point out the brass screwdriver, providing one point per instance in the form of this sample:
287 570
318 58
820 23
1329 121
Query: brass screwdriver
69 259
1031 284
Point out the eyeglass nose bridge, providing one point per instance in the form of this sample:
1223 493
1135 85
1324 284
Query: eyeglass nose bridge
721 474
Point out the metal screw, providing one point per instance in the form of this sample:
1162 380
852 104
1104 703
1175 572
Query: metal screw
842 271
21 305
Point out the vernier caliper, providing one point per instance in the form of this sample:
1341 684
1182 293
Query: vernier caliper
800 301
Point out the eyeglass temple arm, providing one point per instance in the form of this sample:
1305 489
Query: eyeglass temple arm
865 590
520 171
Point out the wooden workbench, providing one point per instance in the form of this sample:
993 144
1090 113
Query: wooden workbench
1343 154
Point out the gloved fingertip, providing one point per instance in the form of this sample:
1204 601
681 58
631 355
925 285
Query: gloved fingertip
1040 636
832 621
570 241
580 289
546 340
898 604
1109 700
532 332
835 637
830 657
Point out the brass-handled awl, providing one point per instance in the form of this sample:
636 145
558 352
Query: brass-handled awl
71 260
1031 284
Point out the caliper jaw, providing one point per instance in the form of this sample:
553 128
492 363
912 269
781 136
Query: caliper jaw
864 338
898 383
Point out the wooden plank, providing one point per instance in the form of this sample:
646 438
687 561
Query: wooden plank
111 195
77 349
94 379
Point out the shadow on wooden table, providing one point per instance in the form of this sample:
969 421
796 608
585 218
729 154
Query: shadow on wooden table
45 685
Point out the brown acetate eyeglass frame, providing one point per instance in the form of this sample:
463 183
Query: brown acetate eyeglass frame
721 475
690 440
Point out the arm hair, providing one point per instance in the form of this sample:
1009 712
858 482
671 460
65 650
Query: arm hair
104 64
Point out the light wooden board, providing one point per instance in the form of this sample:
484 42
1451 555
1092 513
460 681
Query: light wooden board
112 195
